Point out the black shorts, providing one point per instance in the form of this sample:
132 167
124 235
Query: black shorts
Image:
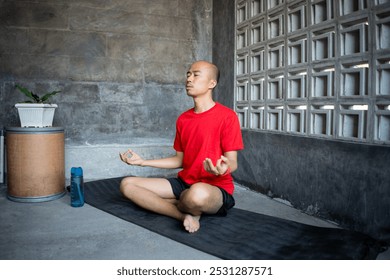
178 186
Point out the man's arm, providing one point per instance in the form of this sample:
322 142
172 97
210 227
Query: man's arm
132 158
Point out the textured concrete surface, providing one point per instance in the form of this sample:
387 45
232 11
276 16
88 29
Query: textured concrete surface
91 156
120 65
344 182
54 230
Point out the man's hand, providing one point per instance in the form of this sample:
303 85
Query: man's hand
222 165
131 158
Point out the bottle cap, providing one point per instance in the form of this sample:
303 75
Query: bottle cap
76 171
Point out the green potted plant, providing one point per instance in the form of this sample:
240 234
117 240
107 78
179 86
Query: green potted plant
36 111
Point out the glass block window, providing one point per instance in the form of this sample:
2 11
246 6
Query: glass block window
316 68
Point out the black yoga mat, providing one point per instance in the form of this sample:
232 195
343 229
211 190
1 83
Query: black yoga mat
241 235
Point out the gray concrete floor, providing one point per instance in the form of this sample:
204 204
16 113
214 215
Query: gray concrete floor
54 230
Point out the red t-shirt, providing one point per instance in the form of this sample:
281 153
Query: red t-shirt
207 135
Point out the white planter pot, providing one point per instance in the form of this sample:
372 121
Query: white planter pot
36 114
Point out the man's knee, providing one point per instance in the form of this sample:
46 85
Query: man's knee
197 195
126 184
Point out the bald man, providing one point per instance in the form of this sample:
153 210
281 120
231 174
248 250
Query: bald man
207 139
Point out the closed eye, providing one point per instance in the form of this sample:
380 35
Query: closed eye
195 73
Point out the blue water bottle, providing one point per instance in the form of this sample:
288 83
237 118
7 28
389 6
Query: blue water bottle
76 187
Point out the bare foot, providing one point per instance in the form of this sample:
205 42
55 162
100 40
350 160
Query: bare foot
191 223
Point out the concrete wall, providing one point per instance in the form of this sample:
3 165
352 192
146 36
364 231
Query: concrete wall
121 67
120 64
344 182
223 50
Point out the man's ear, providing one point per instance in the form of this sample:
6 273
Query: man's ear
213 83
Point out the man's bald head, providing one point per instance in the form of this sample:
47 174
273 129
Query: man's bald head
212 69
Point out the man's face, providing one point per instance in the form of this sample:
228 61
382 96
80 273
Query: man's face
199 80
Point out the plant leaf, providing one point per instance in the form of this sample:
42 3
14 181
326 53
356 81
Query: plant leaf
26 92
48 95
36 98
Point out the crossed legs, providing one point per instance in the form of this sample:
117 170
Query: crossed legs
155 194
